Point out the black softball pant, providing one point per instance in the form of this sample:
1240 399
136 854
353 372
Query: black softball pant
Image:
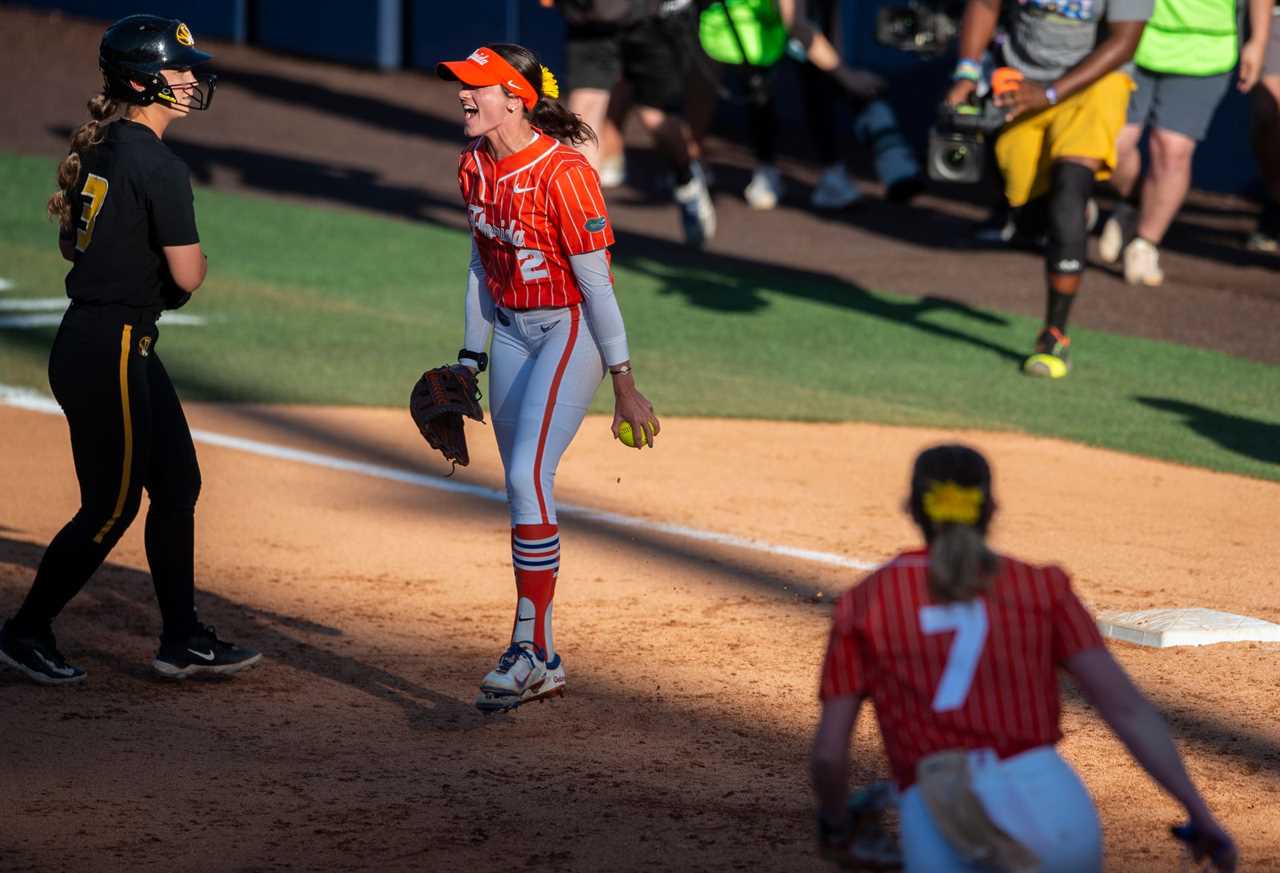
128 433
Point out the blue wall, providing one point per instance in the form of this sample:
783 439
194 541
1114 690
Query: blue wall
368 32
445 32
212 19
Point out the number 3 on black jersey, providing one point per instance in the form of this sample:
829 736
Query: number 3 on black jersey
94 194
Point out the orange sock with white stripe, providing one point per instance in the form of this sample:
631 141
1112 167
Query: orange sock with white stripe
535 555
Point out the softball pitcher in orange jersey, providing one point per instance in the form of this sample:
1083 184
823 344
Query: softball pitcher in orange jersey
541 287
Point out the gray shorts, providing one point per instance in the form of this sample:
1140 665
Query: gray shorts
1182 104
1271 66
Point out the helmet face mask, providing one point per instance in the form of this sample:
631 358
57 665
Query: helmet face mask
136 49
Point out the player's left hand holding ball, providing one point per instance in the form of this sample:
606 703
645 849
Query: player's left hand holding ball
632 407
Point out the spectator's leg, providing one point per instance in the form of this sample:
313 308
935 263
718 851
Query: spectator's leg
613 162
1180 118
765 189
1167 182
594 67
592 106
1122 225
655 60
670 138
1128 161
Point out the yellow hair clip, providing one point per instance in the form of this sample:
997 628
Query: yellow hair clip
550 88
948 502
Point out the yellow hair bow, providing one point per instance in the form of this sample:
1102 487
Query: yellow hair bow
550 87
948 502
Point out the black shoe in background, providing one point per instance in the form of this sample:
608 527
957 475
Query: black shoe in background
37 658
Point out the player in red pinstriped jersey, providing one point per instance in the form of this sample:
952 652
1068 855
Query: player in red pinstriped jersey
540 285
958 647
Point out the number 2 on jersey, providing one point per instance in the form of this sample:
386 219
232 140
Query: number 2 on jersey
94 195
969 621
531 264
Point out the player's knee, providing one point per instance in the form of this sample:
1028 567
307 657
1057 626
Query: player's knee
1068 196
178 496
522 490
105 521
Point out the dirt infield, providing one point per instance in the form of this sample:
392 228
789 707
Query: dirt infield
691 666
388 143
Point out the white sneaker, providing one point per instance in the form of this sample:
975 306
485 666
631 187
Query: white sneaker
1142 264
613 172
1117 231
521 676
1111 241
835 190
765 189
697 212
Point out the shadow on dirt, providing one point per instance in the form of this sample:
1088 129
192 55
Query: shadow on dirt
124 601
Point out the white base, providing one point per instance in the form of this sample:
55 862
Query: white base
1162 628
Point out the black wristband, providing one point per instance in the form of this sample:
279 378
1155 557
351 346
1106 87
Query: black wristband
481 359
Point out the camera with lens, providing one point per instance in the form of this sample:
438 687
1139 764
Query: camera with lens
958 140
921 27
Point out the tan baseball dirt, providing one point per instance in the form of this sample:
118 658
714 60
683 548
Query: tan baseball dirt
681 742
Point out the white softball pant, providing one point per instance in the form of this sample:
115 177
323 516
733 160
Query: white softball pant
1035 797
544 368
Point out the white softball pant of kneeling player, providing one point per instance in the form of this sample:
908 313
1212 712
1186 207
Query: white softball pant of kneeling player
1035 797
544 368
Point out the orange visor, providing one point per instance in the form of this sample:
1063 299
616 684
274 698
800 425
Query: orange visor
486 67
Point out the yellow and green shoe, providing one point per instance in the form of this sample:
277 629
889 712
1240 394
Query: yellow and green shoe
1052 356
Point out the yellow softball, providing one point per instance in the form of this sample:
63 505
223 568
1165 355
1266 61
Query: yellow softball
628 438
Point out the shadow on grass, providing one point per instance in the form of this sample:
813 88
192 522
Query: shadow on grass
1245 436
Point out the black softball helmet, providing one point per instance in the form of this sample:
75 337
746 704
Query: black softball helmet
137 48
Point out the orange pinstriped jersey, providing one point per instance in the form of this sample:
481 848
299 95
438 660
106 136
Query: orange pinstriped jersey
529 213
971 675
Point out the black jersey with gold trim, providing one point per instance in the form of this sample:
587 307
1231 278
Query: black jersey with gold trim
133 199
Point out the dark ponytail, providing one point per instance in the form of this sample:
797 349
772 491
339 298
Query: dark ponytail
951 502
89 135
548 115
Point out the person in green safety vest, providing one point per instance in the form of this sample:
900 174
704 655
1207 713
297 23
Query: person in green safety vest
750 38
1183 69
1265 133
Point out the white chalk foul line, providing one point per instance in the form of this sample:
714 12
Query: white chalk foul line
23 398
47 312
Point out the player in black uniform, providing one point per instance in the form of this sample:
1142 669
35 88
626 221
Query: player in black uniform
128 227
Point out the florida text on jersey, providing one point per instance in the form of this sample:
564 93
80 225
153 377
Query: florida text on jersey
529 213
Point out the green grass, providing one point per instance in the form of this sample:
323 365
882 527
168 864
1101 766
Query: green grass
310 305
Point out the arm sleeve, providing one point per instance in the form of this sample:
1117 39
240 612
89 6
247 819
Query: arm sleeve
1074 629
600 304
479 306
171 205
579 211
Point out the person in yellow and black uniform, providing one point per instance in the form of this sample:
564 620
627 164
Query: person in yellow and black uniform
128 226
1065 112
